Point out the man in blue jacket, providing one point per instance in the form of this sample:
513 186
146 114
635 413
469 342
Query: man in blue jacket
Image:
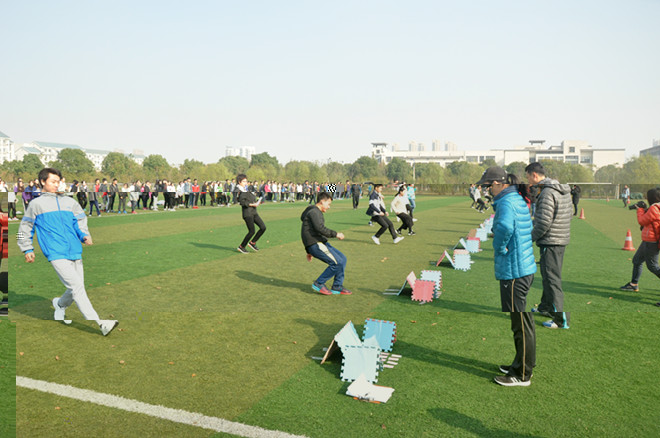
514 268
61 225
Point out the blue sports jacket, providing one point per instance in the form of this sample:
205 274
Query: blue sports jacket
61 226
512 241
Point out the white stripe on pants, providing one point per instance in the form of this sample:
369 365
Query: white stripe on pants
72 277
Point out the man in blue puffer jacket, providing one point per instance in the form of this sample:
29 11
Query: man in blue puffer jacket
61 226
514 268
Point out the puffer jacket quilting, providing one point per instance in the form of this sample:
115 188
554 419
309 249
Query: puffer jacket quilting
512 236
554 211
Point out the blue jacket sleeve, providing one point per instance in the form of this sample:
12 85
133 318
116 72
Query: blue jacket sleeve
503 228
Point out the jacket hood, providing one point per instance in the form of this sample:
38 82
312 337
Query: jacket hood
555 185
304 213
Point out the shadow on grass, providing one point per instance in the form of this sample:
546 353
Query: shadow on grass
472 425
473 366
325 333
573 287
33 306
256 278
212 246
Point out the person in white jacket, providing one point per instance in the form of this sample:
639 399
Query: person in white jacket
399 207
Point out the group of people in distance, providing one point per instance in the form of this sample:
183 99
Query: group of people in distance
315 234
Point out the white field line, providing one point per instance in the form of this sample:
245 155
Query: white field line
175 415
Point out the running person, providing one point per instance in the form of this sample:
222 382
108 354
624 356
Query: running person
61 226
379 215
315 236
249 206
399 207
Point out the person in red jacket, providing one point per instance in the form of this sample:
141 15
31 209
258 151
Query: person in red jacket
649 219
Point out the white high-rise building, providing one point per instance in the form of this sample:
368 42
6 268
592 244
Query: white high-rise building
7 148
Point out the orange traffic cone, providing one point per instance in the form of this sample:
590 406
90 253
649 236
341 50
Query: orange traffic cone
628 245
582 214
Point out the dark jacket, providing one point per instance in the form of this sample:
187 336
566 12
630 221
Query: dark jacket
313 228
245 199
554 211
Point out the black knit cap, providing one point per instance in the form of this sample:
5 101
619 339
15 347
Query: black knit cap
492 174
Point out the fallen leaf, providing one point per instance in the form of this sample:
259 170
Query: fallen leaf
267 348
57 408
120 329
294 342
170 363
483 339
193 375
413 321
57 358
108 284
21 353
158 287
610 298
435 323
588 302
121 362
112 346
383 426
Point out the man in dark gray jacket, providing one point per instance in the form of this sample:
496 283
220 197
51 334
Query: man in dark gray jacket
552 229
315 237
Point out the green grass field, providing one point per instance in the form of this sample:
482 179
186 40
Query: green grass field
208 330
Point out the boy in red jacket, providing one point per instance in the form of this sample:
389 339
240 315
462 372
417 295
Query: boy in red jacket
649 219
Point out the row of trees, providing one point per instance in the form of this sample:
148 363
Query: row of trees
75 165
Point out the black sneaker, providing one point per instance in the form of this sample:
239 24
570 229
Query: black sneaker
630 287
541 312
399 232
511 381
411 233
242 250
505 369
253 246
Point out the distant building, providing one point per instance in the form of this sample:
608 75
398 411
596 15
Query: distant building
653 151
569 151
245 152
48 151
7 148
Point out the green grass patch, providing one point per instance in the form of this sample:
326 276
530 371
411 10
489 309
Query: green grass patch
246 326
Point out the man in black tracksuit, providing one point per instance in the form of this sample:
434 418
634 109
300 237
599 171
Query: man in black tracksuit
315 236
249 206
355 192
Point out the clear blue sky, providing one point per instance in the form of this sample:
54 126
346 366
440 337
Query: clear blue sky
316 80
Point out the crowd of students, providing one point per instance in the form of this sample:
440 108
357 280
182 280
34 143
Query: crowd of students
103 196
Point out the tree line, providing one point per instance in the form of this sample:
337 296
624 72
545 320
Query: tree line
74 164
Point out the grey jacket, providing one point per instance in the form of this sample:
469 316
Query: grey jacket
554 211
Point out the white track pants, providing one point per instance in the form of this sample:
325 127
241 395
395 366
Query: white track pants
72 277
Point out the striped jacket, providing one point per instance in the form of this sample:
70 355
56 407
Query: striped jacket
61 225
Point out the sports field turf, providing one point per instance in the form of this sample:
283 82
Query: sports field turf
206 329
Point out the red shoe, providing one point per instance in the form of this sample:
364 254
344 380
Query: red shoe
342 292
321 289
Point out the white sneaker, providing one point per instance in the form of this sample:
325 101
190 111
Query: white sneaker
376 240
398 239
414 220
59 312
107 325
